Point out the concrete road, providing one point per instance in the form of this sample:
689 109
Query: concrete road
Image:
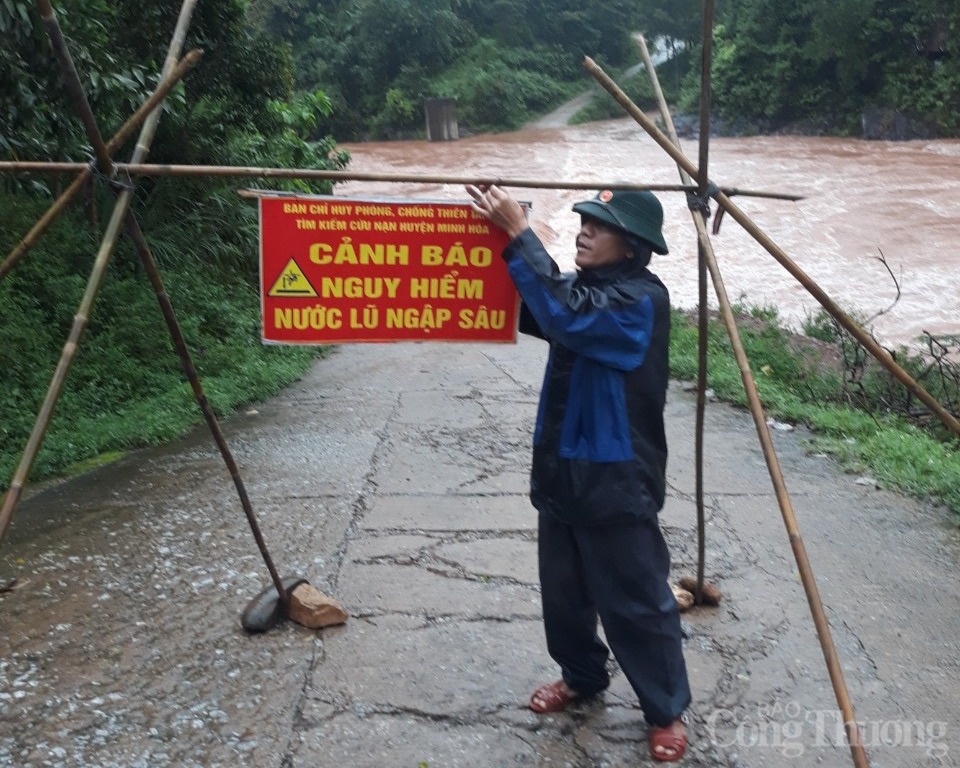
394 478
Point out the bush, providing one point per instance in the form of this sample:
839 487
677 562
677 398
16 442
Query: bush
801 382
126 388
501 91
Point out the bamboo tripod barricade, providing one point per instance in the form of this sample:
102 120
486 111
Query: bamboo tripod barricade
97 273
122 215
852 327
708 258
704 189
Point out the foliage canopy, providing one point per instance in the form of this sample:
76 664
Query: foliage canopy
237 108
810 65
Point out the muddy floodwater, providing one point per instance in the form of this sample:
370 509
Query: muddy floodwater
395 478
861 200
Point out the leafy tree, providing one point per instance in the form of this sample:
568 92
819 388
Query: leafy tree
236 107
583 27
37 119
282 18
924 75
819 63
677 21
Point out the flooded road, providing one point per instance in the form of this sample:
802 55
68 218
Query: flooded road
395 478
861 199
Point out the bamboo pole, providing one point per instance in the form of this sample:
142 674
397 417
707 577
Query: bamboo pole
166 307
186 362
85 171
705 58
702 317
111 234
822 626
852 327
702 327
73 85
135 169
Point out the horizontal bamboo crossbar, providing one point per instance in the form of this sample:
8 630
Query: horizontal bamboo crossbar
134 169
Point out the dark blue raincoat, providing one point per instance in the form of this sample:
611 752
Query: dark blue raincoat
599 447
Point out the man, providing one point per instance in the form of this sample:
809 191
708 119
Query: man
599 455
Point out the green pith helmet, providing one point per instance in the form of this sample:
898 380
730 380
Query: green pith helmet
636 212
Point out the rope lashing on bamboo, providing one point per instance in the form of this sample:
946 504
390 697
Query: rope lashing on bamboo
117 185
111 181
701 203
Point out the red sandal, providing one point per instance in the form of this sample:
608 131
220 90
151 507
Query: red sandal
668 743
552 697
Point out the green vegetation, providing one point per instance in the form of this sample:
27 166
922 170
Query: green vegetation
602 107
504 61
280 77
815 66
808 66
866 428
126 388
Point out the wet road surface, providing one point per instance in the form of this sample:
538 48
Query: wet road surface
394 477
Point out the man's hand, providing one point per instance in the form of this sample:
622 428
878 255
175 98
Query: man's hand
498 208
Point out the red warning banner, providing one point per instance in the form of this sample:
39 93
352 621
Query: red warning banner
336 270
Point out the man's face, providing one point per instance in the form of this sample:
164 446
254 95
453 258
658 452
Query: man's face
599 244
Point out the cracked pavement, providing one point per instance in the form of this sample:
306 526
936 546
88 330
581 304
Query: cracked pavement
394 478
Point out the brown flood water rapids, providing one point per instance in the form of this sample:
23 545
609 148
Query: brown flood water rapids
861 199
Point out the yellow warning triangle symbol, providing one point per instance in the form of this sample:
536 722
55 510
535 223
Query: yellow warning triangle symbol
292 282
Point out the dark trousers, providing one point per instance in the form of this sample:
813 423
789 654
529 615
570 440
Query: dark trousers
619 573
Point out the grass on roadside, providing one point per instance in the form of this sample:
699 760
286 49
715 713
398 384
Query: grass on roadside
126 388
796 386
